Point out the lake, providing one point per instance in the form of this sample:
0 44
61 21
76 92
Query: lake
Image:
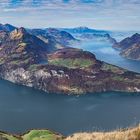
23 108
105 52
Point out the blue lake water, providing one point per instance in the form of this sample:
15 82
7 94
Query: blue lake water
105 52
23 108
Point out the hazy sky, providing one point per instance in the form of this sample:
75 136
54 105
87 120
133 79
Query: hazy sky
100 14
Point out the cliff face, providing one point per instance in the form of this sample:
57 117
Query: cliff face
130 47
27 60
132 53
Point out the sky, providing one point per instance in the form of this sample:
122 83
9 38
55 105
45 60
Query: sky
98 14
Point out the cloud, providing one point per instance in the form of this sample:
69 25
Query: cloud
104 14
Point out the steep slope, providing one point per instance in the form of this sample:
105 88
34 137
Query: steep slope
132 52
130 47
61 37
48 35
128 42
19 46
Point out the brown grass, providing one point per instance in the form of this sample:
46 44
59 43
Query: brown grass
128 134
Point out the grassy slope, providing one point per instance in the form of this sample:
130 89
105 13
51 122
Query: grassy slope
41 135
33 135
128 134
4 136
72 63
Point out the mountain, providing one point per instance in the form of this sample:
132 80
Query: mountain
95 36
87 34
81 30
132 53
130 47
28 60
62 37
7 27
19 46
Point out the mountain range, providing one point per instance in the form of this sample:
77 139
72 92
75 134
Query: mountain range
57 36
81 30
88 34
29 60
66 36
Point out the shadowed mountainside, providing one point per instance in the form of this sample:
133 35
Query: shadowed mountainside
7 27
130 47
62 37
87 34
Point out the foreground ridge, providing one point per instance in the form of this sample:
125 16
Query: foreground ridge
122 134
126 134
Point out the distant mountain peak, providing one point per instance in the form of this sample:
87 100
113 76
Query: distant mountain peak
7 27
82 27
52 30
136 35
22 30
7 24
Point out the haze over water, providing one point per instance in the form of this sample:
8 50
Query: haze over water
105 52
